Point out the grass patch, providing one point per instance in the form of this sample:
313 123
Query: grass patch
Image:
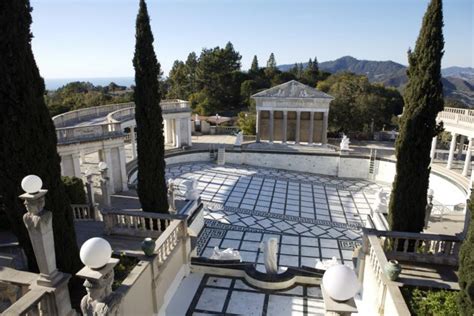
430 302
123 268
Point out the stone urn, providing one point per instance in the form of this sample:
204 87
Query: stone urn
393 269
148 246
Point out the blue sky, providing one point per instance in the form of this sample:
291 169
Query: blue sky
95 38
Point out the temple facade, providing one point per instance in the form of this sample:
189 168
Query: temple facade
292 112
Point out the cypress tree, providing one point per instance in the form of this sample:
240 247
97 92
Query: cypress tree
254 67
28 142
423 100
466 269
150 140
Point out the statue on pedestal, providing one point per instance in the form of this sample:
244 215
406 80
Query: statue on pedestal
380 205
227 254
171 197
239 139
344 145
429 207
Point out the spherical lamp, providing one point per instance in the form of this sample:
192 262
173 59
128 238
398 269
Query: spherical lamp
340 282
31 184
95 253
102 166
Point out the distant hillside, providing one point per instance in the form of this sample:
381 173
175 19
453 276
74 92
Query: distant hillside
458 81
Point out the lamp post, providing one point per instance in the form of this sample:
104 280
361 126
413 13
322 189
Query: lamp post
40 229
96 255
104 179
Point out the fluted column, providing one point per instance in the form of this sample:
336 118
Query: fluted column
298 126
324 136
311 127
462 138
271 127
285 128
452 148
467 162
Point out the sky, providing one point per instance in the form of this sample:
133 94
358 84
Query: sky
96 38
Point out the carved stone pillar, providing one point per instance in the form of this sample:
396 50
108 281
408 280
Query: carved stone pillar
104 187
324 136
40 229
258 127
123 169
467 162
311 128
133 140
90 194
100 300
270 136
452 148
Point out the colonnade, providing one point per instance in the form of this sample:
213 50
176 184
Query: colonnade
292 125
452 151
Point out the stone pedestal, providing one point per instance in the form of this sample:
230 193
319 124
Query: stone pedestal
100 300
40 229
333 307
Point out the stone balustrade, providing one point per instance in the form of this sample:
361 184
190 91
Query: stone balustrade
167 106
422 248
169 239
37 301
137 223
83 212
457 117
86 133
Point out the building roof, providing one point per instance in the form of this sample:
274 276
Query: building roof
292 89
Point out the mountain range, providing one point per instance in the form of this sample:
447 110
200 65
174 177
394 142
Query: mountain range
458 82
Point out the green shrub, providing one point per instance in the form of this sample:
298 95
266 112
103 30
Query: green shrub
75 190
466 269
434 302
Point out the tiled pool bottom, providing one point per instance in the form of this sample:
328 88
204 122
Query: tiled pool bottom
233 296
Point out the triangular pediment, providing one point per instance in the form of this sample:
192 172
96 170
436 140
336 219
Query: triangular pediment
292 89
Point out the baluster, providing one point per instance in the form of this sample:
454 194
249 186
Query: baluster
405 245
135 222
142 222
447 247
417 244
395 244
127 221
427 246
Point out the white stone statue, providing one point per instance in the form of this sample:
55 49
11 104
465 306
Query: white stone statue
239 139
270 249
344 142
226 254
380 205
192 193
171 196
429 208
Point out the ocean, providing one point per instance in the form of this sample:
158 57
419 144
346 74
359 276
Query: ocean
53 84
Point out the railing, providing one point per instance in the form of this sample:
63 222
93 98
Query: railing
137 223
80 115
87 133
423 248
37 301
458 117
227 130
167 106
83 212
388 292
169 239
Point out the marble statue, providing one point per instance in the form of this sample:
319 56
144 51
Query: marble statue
344 142
380 205
326 264
239 139
428 209
192 193
270 249
171 196
226 254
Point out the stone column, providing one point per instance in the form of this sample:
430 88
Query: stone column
177 131
285 126
107 158
462 138
133 140
452 147
259 121
324 136
467 162
298 126
40 229
311 127
433 148
123 169
104 188
190 135
76 164
270 136
90 194
173 132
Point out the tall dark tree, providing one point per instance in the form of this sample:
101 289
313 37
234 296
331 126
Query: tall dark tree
28 145
271 66
254 66
423 100
150 140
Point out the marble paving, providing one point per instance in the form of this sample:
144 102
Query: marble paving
233 296
313 217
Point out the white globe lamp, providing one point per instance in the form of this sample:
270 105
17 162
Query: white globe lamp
31 184
95 253
340 282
